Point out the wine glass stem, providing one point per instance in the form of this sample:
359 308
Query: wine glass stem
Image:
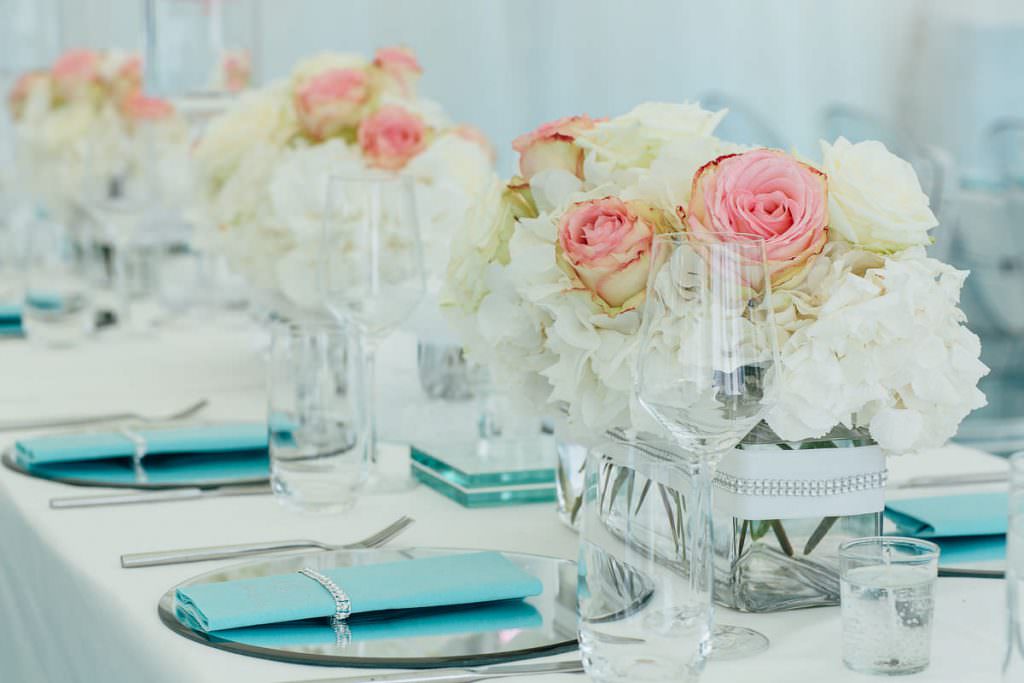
702 566
370 368
122 286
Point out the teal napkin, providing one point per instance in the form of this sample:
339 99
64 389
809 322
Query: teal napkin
10 319
425 623
410 584
968 528
227 438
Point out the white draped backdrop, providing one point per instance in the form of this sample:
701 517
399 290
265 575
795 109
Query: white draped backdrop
943 68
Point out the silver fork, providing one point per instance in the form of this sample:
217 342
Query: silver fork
226 552
81 420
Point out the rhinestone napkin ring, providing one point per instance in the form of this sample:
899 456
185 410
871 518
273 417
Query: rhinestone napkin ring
342 605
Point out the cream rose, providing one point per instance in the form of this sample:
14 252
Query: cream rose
266 117
875 200
21 92
635 139
553 146
604 245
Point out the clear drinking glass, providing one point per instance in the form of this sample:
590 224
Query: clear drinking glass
118 187
642 617
316 416
887 586
57 304
707 372
371 274
1013 665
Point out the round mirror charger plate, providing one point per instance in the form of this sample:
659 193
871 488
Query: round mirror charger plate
203 470
473 635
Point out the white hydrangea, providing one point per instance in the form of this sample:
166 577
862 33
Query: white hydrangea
888 349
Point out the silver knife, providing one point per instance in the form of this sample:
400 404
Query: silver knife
953 479
459 675
159 496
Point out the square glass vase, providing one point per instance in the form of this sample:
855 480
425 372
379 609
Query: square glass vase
781 510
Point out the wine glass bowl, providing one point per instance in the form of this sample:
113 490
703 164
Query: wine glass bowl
117 188
709 353
117 184
371 270
370 273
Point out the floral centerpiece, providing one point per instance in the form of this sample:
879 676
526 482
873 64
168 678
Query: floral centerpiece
547 287
547 283
87 95
263 165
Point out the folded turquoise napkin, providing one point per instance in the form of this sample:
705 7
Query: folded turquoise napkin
227 438
968 528
10 319
410 584
425 623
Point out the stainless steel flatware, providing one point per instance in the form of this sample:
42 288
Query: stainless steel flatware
159 496
477 673
80 420
953 480
225 552
957 573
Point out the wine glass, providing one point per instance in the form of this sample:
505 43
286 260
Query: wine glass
371 273
708 373
117 188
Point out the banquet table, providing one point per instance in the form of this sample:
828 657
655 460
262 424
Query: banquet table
71 613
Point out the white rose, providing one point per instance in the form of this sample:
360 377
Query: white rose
874 197
264 117
636 139
327 61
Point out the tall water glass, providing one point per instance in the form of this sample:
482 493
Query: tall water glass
1013 665
708 372
371 275
57 305
641 617
316 417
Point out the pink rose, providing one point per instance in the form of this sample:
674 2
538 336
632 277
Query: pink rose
552 146
400 66
74 72
127 80
763 193
237 70
477 136
138 107
21 90
604 245
331 101
391 136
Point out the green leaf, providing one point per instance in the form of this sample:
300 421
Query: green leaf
758 528
643 496
620 479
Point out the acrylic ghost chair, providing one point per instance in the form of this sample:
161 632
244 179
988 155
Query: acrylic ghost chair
990 243
744 124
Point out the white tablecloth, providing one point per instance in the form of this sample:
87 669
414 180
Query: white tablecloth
68 612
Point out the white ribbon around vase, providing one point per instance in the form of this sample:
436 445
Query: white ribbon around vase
772 483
